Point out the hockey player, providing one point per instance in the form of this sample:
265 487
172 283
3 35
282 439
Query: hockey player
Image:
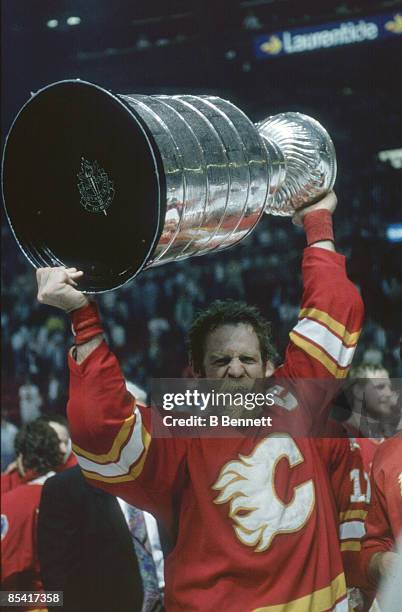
256 529
384 519
38 447
14 474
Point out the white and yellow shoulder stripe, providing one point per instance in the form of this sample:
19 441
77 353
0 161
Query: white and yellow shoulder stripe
126 457
325 339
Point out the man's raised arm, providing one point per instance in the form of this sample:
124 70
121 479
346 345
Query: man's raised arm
323 341
111 433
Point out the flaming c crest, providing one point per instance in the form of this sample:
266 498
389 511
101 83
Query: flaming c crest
248 485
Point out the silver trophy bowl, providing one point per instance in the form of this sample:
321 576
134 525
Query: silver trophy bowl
115 184
306 155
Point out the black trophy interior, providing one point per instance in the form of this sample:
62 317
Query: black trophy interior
83 184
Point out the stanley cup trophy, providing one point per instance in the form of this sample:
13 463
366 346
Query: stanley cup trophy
115 184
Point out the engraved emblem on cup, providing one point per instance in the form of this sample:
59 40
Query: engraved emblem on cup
95 187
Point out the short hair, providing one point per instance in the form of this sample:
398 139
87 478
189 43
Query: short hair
228 312
364 369
38 444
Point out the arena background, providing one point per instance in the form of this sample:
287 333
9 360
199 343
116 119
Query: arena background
209 47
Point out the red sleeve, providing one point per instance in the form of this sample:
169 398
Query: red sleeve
351 490
379 534
112 437
329 324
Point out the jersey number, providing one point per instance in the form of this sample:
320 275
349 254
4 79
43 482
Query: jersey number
357 495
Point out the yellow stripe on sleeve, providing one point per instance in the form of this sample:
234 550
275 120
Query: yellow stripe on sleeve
319 355
352 514
134 472
334 325
352 545
114 452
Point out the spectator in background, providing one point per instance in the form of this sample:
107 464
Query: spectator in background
372 409
101 552
30 401
384 519
38 451
54 392
15 474
8 433
60 426
85 549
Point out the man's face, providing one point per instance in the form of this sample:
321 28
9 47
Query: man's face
64 438
378 395
233 352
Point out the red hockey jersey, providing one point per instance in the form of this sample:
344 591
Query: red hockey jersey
19 560
11 480
368 449
351 491
256 527
384 519
14 479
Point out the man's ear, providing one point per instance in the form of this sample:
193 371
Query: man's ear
269 369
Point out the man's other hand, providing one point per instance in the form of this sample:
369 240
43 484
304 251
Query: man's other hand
328 202
56 287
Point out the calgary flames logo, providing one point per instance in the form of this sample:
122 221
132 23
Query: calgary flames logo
95 187
248 484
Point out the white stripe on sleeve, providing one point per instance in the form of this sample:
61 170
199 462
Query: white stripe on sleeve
322 336
129 455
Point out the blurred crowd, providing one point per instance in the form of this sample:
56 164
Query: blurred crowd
146 320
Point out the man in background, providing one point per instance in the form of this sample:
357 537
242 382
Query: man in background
101 552
84 549
384 519
14 474
373 409
37 446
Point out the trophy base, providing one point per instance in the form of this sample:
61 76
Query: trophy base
83 184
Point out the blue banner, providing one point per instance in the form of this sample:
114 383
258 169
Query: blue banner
328 35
